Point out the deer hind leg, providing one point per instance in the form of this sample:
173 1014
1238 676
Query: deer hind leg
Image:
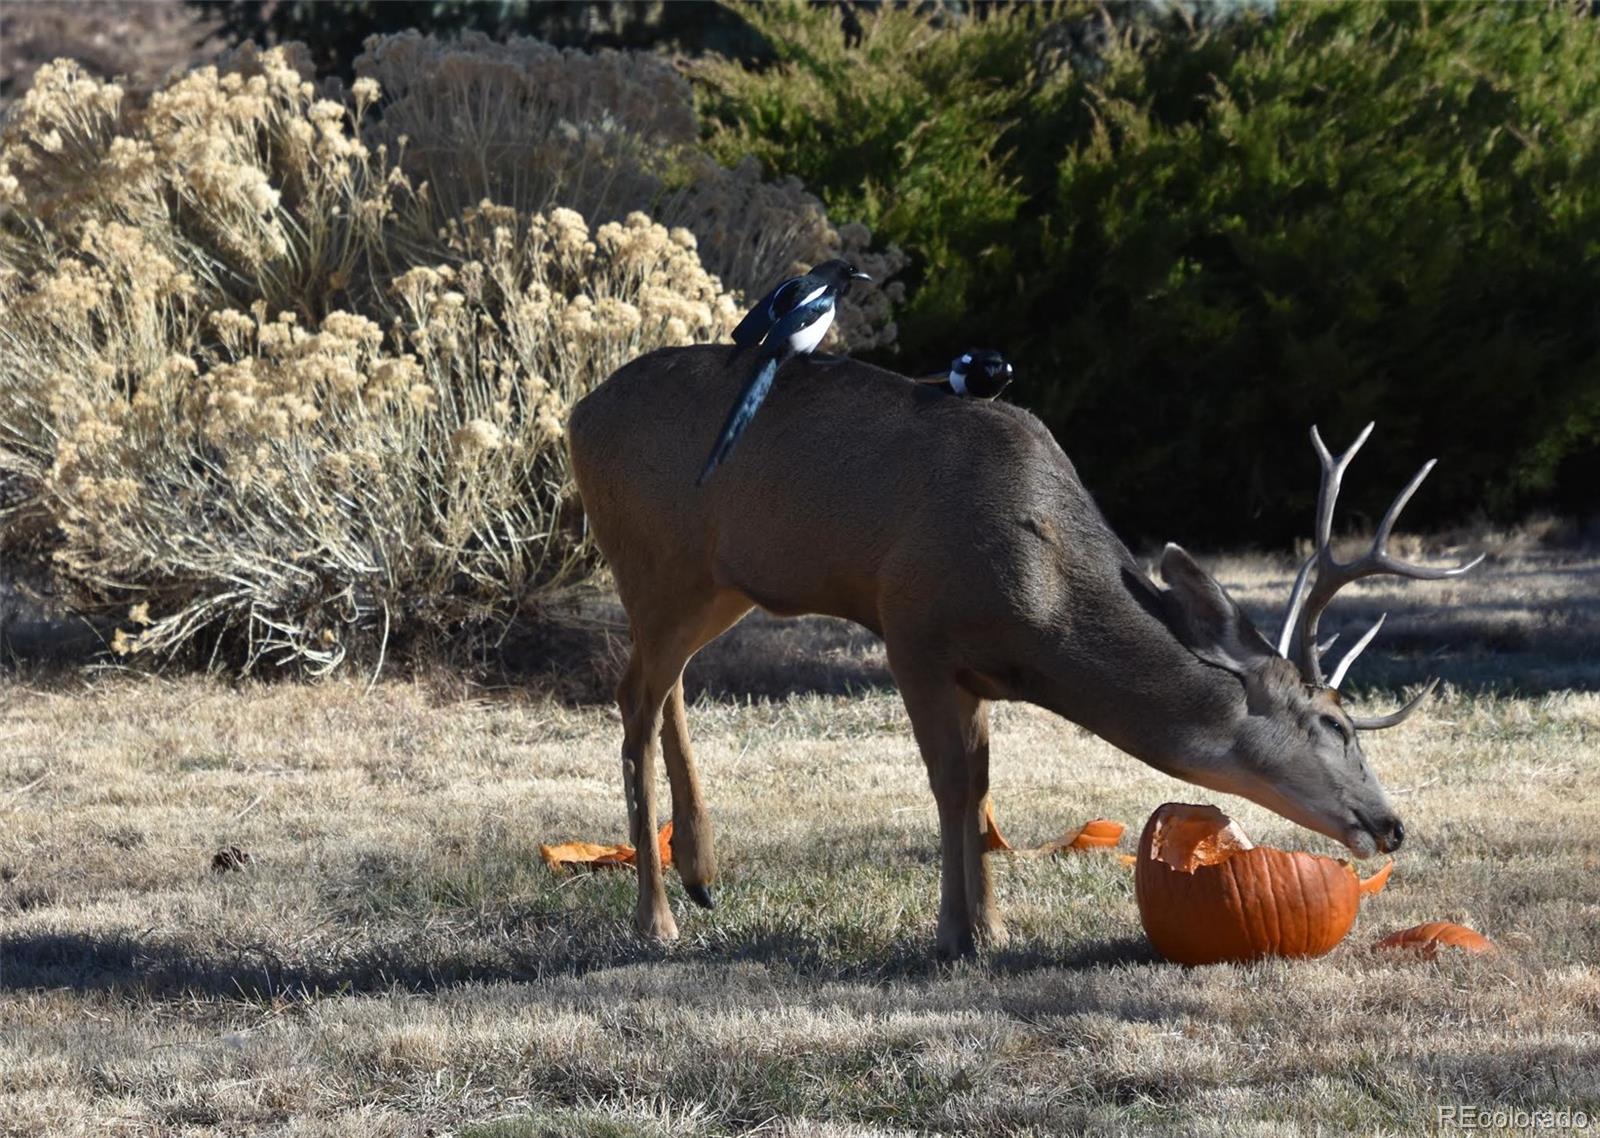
952 730
640 703
650 692
693 847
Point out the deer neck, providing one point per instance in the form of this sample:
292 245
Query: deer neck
1111 664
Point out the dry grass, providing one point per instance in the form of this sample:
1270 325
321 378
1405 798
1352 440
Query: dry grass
394 959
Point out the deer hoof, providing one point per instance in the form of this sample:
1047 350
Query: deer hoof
956 945
994 937
700 895
657 926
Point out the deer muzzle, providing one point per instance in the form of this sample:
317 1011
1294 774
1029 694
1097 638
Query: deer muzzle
1384 834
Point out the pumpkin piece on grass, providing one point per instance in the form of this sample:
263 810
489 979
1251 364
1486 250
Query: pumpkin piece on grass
1100 833
591 855
1207 894
1427 939
588 854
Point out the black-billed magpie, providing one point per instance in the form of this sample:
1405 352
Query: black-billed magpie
791 320
979 372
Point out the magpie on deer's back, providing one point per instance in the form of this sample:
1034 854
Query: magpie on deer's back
790 320
981 373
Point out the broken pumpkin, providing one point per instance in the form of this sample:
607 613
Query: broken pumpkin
1207 894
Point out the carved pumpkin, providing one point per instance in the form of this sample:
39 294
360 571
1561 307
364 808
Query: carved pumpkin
1429 938
1206 894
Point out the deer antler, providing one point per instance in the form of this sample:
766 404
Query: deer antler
1298 639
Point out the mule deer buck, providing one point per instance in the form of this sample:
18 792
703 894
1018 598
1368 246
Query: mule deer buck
958 532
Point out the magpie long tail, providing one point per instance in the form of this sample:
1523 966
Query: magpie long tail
755 391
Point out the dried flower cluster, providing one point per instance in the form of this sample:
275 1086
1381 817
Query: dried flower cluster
255 382
530 126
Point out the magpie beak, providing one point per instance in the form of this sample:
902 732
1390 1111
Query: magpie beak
859 277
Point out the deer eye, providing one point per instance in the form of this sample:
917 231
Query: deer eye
1337 728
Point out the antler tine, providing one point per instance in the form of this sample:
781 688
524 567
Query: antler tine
1387 563
1307 600
1332 475
1343 669
1378 723
1297 596
1327 495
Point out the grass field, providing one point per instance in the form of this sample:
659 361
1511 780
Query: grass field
395 959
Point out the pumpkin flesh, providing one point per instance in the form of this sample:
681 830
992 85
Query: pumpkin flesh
1097 834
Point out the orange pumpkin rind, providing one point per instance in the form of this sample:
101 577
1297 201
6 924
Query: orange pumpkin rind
1099 833
591 855
993 838
1375 883
1428 938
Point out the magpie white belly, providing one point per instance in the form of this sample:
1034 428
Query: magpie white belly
807 339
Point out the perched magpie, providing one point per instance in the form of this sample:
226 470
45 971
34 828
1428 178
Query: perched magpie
979 372
789 321
830 279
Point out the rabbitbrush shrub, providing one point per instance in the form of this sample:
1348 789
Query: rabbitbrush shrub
528 125
264 391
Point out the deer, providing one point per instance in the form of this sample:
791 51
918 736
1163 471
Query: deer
958 532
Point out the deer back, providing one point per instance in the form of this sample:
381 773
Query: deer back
850 476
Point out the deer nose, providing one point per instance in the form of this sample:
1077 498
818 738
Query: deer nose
1391 838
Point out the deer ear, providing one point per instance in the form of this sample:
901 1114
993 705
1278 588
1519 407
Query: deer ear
1206 619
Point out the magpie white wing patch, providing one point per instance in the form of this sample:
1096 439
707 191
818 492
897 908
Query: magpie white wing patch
786 297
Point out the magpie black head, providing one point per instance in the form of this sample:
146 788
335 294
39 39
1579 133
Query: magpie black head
984 372
838 274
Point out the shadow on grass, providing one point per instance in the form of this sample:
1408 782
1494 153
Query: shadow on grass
580 652
154 967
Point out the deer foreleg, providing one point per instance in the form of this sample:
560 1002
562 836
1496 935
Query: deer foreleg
952 730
